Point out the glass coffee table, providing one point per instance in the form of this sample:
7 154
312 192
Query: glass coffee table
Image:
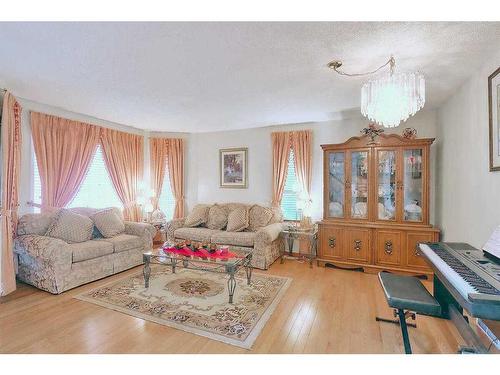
199 262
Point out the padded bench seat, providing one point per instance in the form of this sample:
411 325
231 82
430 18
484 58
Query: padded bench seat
406 294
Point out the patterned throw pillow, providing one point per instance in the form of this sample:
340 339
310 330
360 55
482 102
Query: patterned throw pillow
70 227
259 217
108 223
198 216
34 223
217 217
237 220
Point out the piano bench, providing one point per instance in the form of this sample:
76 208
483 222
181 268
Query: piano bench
406 294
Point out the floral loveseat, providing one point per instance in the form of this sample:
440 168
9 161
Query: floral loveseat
259 230
54 265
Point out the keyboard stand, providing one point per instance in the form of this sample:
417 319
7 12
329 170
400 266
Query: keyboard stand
452 310
472 341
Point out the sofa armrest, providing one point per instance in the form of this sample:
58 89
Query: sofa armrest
144 230
268 234
172 226
46 250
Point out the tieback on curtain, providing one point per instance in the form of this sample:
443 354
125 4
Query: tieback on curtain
44 206
6 213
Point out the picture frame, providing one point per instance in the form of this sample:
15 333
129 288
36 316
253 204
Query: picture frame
494 119
233 168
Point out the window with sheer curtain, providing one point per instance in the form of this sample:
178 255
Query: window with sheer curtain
166 201
96 190
289 200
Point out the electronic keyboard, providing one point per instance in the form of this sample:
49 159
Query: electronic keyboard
470 276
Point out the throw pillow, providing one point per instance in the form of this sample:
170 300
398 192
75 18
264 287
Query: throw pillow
217 217
34 223
108 223
259 217
96 233
70 227
198 216
237 220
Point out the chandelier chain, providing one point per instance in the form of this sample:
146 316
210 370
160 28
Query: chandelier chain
335 65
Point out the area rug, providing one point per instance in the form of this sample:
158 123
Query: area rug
196 302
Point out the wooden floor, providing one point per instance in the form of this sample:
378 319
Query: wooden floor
325 310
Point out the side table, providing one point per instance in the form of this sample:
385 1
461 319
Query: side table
310 235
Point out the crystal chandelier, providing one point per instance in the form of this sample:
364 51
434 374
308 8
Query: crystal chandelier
391 98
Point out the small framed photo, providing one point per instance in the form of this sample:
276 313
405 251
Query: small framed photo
233 171
494 116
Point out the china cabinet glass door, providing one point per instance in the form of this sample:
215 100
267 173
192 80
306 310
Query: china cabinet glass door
386 187
358 184
413 185
336 184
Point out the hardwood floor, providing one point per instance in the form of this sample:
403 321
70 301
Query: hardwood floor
324 311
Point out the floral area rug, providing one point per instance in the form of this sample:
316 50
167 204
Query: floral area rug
196 302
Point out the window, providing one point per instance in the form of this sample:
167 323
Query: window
167 201
96 190
289 200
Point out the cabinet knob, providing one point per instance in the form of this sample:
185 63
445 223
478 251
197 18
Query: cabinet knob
357 245
417 250
332 242
388 247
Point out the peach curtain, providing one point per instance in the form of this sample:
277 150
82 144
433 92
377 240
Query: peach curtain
64 150
281 150
158 155
124 158
175 158
11 164
302 149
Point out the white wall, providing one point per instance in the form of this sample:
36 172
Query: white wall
468 194
205 160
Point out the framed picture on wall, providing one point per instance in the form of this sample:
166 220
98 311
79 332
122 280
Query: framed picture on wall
233 163
494 109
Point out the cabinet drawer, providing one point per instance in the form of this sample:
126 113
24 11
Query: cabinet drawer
357 245
331 243
388 248
414 258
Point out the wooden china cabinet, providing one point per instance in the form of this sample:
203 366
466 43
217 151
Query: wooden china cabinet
376 204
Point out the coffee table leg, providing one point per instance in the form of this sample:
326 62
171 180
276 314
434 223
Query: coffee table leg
231 285
248 269
147 270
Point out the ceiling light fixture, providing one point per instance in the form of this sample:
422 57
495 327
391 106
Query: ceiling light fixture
390 98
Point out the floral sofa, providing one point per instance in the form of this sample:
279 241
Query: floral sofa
262 238
54 265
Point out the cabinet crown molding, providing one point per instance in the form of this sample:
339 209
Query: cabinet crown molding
383 140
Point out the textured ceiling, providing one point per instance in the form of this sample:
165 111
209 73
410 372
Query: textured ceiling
199 77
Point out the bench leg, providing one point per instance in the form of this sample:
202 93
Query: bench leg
404 331
408 314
